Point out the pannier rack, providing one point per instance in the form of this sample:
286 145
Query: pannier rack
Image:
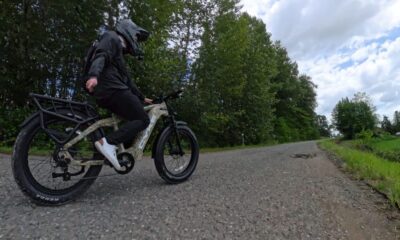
76 112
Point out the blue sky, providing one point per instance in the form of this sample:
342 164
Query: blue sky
345 46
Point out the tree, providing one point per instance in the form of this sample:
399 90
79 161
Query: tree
323 126
232 78
396 121
45 43
386 125
295 100
236 80
219 76
42 46
353 116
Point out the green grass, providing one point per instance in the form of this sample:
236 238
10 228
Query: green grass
387 147
33 151
382 174
5 150
390 144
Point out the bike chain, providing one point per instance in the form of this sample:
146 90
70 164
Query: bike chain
106 175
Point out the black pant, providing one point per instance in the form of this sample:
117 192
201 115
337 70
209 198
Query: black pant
128 106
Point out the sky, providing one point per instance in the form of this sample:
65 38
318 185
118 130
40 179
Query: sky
345 46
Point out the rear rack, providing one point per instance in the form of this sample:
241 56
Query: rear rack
52 106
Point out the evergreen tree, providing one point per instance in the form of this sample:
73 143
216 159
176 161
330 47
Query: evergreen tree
396 121
323 126
386 125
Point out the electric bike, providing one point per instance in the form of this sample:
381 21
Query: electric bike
54 159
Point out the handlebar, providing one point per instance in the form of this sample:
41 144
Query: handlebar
169 96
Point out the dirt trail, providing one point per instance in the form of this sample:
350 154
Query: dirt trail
265 193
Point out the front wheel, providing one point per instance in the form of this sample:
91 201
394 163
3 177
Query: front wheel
177 154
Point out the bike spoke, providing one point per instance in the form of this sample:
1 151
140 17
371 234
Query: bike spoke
40 163
175 162
42 168
178 165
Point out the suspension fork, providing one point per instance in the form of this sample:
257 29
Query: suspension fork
178 141
175 127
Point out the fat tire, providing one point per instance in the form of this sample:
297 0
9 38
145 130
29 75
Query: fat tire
20 167
159 155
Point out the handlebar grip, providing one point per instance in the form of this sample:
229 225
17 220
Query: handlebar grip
172 95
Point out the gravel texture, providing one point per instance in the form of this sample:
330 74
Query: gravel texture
263 193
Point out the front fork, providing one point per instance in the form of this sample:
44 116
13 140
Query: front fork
178 141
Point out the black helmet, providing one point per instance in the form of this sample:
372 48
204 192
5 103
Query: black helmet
133 34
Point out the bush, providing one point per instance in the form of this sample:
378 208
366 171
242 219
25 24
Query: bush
10 119
365 135
364 140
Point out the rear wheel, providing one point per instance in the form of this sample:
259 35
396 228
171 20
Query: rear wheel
40 171
173 163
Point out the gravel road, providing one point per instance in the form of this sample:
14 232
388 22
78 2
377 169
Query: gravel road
262 193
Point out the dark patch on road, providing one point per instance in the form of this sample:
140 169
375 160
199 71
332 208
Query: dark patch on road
304 155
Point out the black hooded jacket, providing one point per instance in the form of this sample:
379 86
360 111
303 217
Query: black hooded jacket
109 67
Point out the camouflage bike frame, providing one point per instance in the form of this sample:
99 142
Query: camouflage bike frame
155 111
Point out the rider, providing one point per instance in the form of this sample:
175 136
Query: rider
113 89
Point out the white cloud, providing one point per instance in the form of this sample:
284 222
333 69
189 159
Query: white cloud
377 75
346 46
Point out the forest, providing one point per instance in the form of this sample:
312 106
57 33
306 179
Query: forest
238 82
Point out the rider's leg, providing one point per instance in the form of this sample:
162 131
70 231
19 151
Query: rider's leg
128 106
125 104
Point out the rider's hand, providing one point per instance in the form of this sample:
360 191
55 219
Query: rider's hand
148 100
91 84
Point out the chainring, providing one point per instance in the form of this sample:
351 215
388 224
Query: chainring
126 161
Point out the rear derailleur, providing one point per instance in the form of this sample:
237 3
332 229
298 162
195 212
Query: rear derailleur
62 162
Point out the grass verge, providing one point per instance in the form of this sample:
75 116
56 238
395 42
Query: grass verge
386 144
378 172
32 151
6 150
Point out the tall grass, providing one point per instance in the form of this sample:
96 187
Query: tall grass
384 175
